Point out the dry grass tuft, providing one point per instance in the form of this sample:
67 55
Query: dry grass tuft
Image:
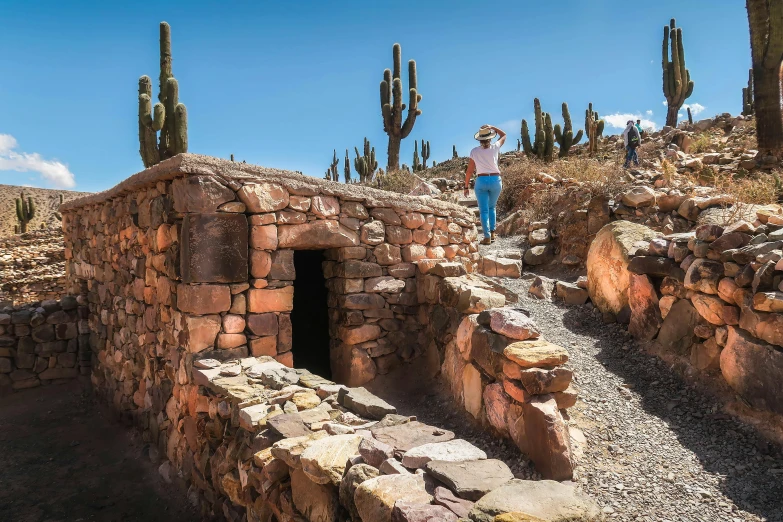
400 181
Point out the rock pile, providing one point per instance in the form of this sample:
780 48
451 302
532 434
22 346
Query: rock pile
32 267
256 439
42 343
712 296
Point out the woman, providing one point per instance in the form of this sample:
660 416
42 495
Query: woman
484 164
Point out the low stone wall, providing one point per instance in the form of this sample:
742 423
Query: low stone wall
261 442
32 267
499 368
43 343
710 298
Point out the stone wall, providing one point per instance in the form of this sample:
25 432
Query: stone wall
43 343
710 298
187 272
499 368
32 267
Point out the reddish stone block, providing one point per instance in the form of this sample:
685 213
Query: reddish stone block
203 299
214 248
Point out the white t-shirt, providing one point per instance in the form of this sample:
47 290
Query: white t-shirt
486 160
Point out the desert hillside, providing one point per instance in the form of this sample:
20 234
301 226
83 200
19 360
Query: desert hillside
46 202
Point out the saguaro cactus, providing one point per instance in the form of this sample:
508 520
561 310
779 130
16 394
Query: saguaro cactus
747 96
392 106
765 18
25 211
677 84
454 154
365 164
543 146
690 116
594 127
425 153
167 116
416 162
565 137
347 168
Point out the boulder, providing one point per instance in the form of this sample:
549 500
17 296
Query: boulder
676 332
317 502
510 322
324 460
571 294
354 477
548 443
703 276
753 369
471 480
374 452
538 381
539 255
444 497
536 354
710 308
541 500
416 512
607 263
496 266
542 288
375 498
639 196
645 312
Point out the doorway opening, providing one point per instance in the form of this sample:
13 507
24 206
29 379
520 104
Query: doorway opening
310 315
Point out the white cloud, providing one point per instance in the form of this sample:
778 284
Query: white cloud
696 108
648 112
54 173
665 103
618 120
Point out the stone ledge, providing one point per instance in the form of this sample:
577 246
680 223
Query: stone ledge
229 171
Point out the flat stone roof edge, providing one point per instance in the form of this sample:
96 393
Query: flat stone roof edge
197 164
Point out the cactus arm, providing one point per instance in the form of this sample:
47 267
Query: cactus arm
578 137
526 145
19 211
180 129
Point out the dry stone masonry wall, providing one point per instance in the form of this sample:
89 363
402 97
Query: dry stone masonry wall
710 298
187 273
42 343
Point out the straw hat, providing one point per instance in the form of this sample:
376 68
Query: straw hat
485 133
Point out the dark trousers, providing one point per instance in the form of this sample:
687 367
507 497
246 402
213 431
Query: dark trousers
631 155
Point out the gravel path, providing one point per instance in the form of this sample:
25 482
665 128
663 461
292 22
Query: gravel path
657 448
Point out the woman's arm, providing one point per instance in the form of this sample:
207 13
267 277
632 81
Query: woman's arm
468 173
502 135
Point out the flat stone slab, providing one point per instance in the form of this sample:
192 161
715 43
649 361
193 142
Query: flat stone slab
457 450
547 500
444 497
288 425
473 479
364 403
403 437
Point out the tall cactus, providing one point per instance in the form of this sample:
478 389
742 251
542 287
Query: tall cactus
594 127
167 116
748 108
25 211
347 168
677 84
392 106
543 146
425 153
690 116
454 154
365 164
331 173
765 20
416 162
565 137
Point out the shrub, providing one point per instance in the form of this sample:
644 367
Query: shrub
702 143
400 181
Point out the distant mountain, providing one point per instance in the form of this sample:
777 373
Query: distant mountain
46 202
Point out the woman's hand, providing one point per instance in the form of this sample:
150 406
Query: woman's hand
466 192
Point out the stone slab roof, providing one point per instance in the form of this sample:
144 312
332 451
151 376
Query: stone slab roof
229 171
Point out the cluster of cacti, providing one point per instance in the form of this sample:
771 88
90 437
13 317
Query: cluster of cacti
347 168
748 107
594 127
25 211
425 155
331 172
365 164
416 162
454 154
392 106
565 138
167 116
544 141
677 84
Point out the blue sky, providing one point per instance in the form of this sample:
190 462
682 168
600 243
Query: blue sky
281 84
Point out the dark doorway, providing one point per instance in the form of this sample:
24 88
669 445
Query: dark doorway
310 316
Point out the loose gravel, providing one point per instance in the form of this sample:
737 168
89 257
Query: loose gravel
658 449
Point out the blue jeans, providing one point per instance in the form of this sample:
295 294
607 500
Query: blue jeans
487 190
631 155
